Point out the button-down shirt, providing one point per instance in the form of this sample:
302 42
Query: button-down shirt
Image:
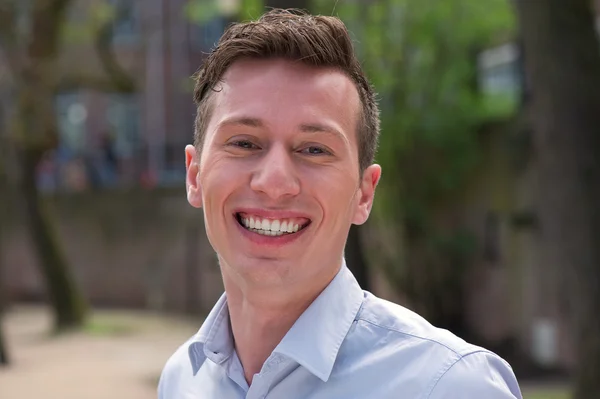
347 344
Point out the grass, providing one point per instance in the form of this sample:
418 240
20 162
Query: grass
106 327
546 394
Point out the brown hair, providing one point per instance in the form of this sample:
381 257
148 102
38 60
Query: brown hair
319 41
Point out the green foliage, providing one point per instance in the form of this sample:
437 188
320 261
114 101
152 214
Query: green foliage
108 328
498 106
82 30
202 11
421 57
251 9
547 394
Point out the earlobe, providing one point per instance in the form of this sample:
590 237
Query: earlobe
366 193
193 188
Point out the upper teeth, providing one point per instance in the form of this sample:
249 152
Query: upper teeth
272 225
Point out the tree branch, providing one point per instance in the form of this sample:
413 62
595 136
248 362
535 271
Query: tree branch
8 35
115 79
122 79
48 18
106 84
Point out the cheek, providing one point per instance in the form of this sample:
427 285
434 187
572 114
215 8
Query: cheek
216 189
217 182
335 190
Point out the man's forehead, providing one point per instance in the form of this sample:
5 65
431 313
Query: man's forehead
250 84
272 72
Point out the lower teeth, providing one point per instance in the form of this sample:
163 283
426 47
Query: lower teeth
268 232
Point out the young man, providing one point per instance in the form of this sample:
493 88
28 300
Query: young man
282 166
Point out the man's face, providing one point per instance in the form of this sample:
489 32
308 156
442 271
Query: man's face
278 176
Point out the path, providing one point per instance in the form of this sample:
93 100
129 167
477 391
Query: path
119 356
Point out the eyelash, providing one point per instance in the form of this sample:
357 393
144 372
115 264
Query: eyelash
248 145
322 149
242 144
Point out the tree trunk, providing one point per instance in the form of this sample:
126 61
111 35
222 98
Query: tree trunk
434 284
4 199
562 61
34 69
3 352
356 260
69 305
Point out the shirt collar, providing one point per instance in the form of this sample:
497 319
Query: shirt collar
214 340
313 341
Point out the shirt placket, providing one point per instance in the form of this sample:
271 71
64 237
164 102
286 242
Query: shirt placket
261 383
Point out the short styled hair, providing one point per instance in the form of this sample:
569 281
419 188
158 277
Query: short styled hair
319 41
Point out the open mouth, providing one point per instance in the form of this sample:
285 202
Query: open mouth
271 227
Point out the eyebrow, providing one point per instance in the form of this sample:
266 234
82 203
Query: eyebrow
319 128
245 121
305 127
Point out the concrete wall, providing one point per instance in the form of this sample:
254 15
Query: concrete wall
129 249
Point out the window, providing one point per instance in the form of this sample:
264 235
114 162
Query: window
71 118
123 115
126 24
65 168
499 70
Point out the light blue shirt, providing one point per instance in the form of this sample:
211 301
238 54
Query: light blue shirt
348 344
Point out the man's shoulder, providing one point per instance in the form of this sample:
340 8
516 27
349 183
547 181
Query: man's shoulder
177 367
396 345
400 323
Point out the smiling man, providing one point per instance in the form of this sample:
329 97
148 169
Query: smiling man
282 166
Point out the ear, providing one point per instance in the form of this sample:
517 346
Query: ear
366 193
192 181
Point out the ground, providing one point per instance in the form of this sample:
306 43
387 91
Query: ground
119 355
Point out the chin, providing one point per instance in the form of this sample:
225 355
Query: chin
261 270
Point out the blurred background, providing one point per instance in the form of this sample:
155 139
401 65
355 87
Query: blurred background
487 221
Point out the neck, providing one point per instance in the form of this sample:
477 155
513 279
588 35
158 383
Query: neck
257 329
260 319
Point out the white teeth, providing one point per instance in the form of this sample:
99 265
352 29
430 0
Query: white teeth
270 227
265 225
275 225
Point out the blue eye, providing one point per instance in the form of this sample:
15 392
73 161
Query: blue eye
245 144
315 150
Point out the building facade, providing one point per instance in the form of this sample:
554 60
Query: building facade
112 139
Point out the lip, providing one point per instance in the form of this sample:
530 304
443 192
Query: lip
271 241
272 214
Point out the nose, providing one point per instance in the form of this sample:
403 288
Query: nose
276 175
